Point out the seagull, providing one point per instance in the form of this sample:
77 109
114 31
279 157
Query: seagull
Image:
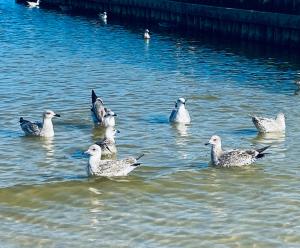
44 129
267 125
146 34
34 4
109 168
232 158
108 143
180 113
109 118
98 109
103 16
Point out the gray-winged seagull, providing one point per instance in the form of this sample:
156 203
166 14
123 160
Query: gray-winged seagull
109 168
268 125
180 114
44 129
232 158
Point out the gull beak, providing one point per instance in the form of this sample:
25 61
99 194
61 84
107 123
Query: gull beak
57 115
86 152
118 131
206 144
114 114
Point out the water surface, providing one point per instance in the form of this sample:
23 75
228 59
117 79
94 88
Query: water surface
50 60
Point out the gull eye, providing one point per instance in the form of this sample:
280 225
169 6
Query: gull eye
94 149
214 139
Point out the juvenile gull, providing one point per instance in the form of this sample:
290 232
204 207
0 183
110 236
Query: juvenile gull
180 113
98 109
108 143
232 158
109 118
267 125
109 168
34 4
44 129
146 34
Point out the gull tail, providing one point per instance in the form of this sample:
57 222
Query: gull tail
137 158
136 164
261 152
140 156
253 116
94 96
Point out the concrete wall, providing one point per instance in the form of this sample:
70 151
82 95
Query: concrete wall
278 6
276 28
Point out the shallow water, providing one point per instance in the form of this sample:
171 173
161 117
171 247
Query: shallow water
51 60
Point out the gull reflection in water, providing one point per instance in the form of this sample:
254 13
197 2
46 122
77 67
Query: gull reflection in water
98 133
268 138
181 138
182 129
96 205
47 144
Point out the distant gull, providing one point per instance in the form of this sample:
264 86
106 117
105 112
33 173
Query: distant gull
108 143
34 4
44 129
109 118
180 113
109 168
98 109
232 158
267 125
146 34
103 16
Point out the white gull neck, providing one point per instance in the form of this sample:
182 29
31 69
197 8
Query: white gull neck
47 129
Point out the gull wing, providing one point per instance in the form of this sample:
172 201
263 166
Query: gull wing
237 158
116 167
173 115
31 128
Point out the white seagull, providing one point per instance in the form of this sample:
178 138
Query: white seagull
103 16
268 125
108 143
109 168
146 34
109 118
180 113
44 129
232 158
34 4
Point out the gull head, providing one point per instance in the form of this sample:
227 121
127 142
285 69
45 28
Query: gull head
110 113
280 116
49 114
147 30
214 140
94 150
180 101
